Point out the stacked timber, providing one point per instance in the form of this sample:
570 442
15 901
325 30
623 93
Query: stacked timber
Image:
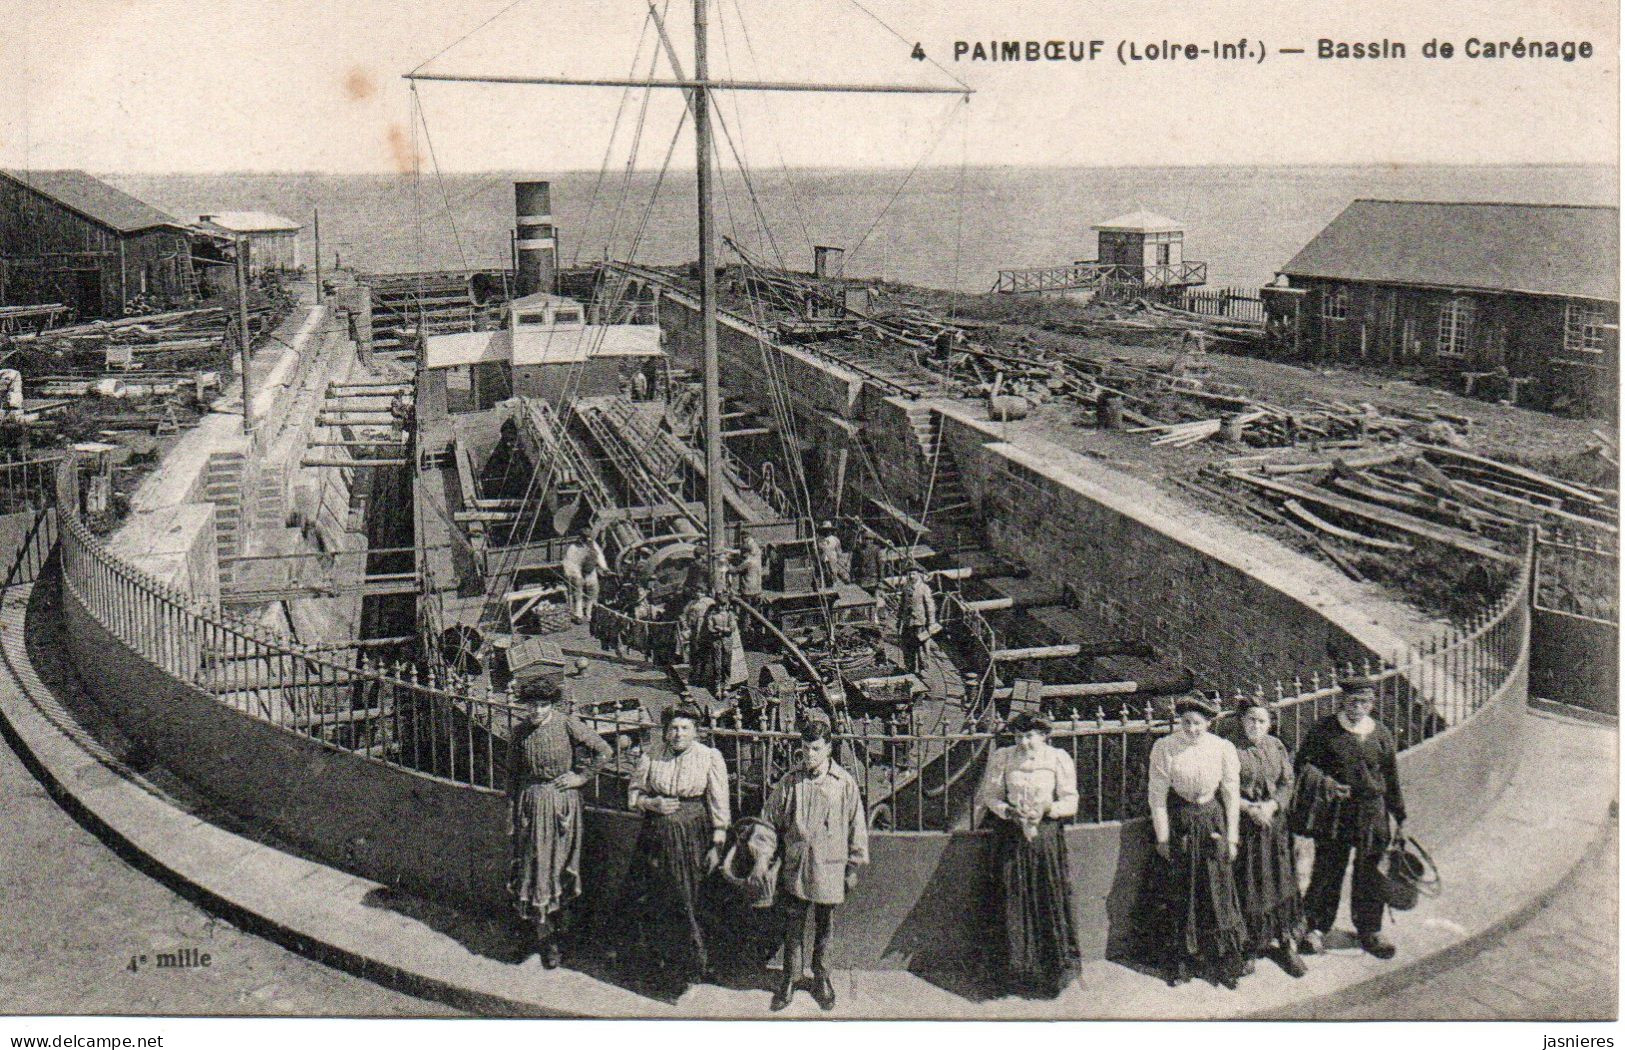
1389 499
1144 317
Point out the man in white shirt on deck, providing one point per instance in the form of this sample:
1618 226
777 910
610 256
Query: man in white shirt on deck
583 559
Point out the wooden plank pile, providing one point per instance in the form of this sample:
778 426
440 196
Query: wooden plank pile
1387 500
176 340
1143 316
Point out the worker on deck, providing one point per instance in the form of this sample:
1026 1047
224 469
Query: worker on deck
698 577
865 560
724 665
747 570
691 638
916 620
400 410
831 554
583 559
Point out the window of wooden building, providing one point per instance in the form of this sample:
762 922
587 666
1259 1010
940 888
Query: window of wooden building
1334 304
1455 327
1584 328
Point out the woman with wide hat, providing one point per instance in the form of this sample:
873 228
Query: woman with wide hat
551 756
1030 791
1194 793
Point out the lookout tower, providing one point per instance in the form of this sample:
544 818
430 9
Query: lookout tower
1141 239
1138 252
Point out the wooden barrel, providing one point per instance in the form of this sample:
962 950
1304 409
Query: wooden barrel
1006 407
1109 412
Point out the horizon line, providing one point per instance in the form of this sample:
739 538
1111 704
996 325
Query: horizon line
376 173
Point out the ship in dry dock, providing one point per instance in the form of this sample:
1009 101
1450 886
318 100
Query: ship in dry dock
575 407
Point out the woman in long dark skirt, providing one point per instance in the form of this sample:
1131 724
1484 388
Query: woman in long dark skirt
681 788
1195 799
1030 790
544 788
1266 869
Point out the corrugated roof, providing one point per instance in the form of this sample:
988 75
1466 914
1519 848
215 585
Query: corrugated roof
94 199
1538 249
1142 221
250 221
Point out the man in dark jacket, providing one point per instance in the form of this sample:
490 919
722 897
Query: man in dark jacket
1349 764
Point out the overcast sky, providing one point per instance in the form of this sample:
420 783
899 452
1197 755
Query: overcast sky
303 85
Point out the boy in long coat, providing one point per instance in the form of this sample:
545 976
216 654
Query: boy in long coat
823 839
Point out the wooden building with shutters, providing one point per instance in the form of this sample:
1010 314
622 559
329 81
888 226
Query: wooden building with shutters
69 238
1521 299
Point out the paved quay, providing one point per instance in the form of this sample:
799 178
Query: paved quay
1555 810
1560 965
77 913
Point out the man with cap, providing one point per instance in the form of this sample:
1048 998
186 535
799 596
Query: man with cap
1349 763
916 620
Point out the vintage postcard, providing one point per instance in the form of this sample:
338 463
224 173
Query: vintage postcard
808 509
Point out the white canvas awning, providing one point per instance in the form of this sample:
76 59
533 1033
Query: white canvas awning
466 348
542 346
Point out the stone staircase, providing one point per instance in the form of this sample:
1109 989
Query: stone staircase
952 516
270 505
223 486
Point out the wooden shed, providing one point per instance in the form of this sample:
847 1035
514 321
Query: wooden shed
1521 298
70 238
273 241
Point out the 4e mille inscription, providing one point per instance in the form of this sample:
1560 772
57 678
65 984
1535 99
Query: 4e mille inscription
180 959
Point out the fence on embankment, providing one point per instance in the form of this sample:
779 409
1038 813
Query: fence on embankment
1235 303
400 715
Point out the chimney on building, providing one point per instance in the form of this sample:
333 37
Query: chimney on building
536 243
827 261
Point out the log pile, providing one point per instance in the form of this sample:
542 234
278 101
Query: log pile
176 340
1389 499
1144 317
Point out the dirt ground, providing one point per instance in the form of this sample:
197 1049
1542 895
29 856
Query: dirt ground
1437 580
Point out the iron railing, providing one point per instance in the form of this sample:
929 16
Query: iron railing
27 484
432 724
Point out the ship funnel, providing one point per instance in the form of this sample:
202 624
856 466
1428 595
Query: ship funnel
535 241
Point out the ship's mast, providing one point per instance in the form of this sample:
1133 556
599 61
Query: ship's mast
715 528
700 89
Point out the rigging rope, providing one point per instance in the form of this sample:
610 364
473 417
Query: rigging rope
773 129
577 372
906 41
959 211
609 146
466 35
445 198
904 184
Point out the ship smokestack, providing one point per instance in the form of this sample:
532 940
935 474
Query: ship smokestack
535 240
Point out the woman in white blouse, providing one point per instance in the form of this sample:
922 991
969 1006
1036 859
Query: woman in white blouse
1030 791
681 788
1194 792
